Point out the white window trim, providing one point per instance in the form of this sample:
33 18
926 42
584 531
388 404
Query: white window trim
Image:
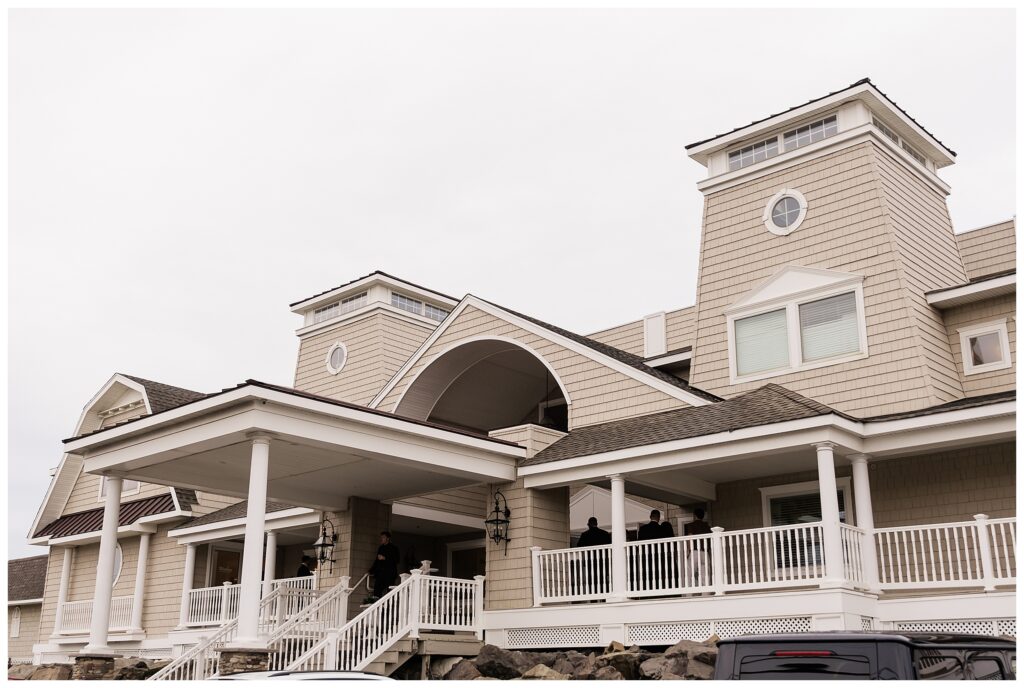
767 217
117 573
15 629
805 488
124 493
792 306
344 358
993 326
211 555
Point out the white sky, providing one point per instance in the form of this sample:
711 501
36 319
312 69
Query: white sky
178 177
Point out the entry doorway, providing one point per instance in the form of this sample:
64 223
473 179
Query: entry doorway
225 566
466 559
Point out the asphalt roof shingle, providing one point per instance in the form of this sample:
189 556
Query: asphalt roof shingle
26 578
762 406
162 397
228 513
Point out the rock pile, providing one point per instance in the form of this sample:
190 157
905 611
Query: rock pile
686 660
125 669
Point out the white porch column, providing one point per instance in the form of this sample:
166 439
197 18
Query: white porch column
100 626
252 556
270 562
62 592
186 584
140 582
827 487
618 592
865 519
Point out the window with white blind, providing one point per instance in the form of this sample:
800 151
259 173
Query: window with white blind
828 328
798 503
805 333
762 343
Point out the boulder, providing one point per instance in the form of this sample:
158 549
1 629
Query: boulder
698 671
627 663
504 664
465 670
21 672
544 673
584 667
705 652
563 665
614 646
607 673
131 673
661 667
51 672
440 666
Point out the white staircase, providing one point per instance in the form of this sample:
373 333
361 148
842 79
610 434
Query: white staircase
384 635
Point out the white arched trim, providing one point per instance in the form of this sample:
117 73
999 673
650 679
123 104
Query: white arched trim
514 343
334 370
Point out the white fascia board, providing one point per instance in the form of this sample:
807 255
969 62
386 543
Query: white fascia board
251 393
997 286
502 314
851 137
865 92
277 520
366 312
425 514
868 438
366 282
24 603
658 361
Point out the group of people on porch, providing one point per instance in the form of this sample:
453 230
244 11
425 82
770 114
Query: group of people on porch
656 529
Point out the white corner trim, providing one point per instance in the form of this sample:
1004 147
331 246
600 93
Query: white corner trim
655 334
997 327
544 333
769 223
334 370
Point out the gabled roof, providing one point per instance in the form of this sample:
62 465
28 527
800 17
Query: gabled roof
91 521
162 396
763 406
26 578
862 82
632 360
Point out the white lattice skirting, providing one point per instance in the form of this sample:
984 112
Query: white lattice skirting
670 633
557 636
979 626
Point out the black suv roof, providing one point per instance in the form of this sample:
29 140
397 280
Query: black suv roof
916 639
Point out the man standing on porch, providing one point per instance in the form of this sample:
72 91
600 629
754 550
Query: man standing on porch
385 567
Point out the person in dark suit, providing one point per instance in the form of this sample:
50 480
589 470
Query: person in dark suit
652 530
648 567
385 566
306 567
593 535
595 567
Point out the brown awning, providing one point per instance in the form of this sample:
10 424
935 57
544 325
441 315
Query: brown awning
91 521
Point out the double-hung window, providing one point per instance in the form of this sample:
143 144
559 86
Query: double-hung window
798 334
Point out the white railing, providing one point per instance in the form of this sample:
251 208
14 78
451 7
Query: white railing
965 554
418 602
309 625
853 549
561 575
782 556
200 661
670 566
213 606
76 617
299 582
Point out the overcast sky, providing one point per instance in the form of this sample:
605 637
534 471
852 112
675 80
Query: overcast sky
178 177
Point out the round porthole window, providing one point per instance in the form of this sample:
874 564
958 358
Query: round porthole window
336 357
785 211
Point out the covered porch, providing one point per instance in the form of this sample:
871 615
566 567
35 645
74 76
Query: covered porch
270 444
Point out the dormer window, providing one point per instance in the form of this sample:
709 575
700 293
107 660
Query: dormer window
768 148
913 153
811 133
892 136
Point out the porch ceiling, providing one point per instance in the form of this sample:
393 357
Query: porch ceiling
321 452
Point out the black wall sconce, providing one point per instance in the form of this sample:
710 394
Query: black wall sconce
497 522
324 545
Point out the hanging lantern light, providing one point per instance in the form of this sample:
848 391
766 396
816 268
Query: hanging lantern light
498 521
324 545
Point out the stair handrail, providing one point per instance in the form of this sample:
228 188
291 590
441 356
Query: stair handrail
310 625
358 643
183 668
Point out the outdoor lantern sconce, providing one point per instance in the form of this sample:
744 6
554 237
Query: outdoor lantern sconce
497 524
324 545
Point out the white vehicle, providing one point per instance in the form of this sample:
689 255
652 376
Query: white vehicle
304 676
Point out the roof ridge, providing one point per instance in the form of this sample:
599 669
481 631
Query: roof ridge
367 276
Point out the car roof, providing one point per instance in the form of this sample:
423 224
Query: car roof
908 637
